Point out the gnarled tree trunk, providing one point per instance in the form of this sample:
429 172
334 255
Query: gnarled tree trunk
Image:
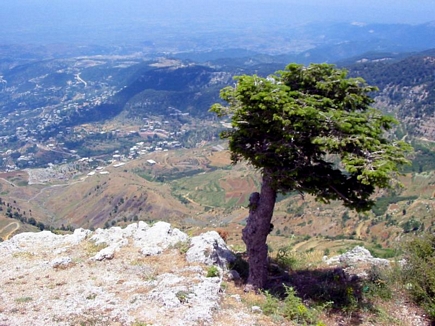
256 231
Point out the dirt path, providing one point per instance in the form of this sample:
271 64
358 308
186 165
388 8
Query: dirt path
44 189
17 226
191 200
46 148
358 229
82 179
7 181
312 244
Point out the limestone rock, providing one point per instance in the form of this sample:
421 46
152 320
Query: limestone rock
358 255
106 253
61 262
256 309
78 236
159 237
210 249
115 237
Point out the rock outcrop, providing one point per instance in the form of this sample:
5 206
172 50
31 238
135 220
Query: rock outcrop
357 255
117 276
210 249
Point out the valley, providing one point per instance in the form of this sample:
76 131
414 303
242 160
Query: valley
197 189
95 141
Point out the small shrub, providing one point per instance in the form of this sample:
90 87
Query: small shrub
212 271
91 296
93 248
182 296
285 258
378 283
294 309
182 246
291 308
148 273
271 305
419 271
23 299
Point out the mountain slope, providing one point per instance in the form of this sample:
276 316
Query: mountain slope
406 89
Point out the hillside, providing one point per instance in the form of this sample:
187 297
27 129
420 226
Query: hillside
199 188
406 88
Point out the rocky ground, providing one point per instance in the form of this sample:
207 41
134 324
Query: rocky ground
139 275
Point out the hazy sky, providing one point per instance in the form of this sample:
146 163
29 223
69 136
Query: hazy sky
51 19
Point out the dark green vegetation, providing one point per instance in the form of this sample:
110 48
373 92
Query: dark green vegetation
294 127
382 203
309 294
423 158
419 271
406 88
11 211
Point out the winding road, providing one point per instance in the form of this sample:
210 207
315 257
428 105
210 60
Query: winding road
79 79
6 237
7 181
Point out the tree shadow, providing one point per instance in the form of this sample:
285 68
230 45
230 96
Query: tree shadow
340 294
331 288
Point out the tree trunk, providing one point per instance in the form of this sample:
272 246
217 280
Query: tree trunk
256 231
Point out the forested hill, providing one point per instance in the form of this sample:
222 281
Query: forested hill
406 88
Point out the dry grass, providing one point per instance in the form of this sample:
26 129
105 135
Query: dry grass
236 308
219 159
91 248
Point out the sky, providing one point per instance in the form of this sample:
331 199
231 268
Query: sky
51 20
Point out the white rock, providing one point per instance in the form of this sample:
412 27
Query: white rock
28 241
105 254
78 236
205 299
168 285
357 255
108 236
61 262
210 249
158 238
256 309
125 290
236 297
139 230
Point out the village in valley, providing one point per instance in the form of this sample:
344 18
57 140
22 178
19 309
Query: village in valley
44 137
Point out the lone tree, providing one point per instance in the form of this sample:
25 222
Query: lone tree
310 130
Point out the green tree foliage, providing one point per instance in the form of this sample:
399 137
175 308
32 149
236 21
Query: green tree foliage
297 123
311 130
